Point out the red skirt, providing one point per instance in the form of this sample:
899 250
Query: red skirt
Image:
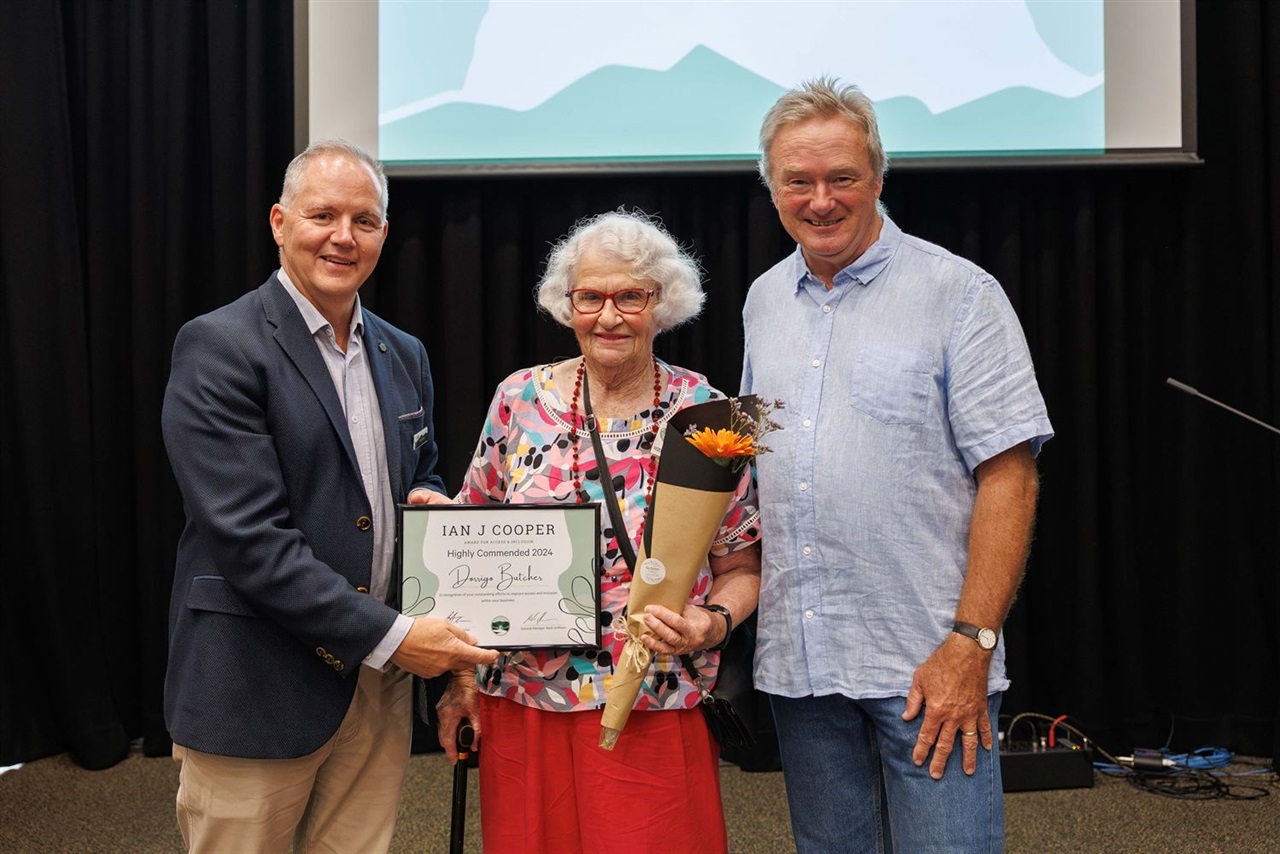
546 787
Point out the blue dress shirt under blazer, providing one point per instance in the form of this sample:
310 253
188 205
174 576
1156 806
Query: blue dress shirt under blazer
267 623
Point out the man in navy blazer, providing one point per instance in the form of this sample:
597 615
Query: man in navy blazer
294 421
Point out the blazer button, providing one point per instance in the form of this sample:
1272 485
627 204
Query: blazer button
364 523
362 589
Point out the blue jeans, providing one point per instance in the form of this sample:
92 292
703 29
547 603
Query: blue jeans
851 784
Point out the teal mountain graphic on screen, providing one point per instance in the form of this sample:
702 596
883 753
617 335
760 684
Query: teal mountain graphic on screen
611 113
552 81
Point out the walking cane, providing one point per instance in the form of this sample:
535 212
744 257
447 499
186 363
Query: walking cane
466 739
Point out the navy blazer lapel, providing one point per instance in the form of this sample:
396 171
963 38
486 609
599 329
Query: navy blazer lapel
377 352
296 341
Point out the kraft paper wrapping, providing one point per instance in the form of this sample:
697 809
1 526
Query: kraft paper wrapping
690 498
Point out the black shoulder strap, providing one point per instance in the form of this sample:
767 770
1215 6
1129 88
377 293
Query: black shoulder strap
620 532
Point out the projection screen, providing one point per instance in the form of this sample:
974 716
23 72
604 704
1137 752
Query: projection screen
453 87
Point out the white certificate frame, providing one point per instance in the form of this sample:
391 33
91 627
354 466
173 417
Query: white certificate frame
517 576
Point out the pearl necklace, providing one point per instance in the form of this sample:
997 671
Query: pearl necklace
602 466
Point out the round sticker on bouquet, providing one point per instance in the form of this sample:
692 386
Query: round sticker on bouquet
653 570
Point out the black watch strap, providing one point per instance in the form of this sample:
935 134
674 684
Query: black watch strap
728 624
985 638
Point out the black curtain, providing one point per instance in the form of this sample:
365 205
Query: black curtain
144 142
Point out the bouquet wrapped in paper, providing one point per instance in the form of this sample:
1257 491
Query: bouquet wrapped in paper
704 450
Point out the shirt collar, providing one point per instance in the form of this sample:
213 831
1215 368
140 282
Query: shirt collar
311 315
864 268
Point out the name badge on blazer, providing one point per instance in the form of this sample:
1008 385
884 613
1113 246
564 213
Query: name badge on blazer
420 438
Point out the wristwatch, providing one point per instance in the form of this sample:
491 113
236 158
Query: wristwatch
985 637
728 624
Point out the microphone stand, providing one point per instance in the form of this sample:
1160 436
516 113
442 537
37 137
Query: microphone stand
1180 386
1189 390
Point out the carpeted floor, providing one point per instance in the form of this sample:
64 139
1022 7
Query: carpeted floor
52 805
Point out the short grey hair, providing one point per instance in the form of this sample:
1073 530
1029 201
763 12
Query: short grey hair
293 176
638 241
823 97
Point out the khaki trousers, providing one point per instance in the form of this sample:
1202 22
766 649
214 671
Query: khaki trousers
343 798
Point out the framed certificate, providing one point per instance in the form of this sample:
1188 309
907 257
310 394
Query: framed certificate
514 575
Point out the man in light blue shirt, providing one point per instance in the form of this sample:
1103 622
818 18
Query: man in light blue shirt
897 503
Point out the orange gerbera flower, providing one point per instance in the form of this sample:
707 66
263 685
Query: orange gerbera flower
722 444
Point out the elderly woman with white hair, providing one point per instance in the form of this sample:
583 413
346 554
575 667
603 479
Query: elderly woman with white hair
618 280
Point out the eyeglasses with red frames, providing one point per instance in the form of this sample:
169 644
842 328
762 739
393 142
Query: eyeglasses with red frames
626 301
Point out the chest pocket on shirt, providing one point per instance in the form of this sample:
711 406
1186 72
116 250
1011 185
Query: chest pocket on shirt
892 384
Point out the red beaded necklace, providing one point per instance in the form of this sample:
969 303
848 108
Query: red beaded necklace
651 464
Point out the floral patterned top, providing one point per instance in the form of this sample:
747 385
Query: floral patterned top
525 456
